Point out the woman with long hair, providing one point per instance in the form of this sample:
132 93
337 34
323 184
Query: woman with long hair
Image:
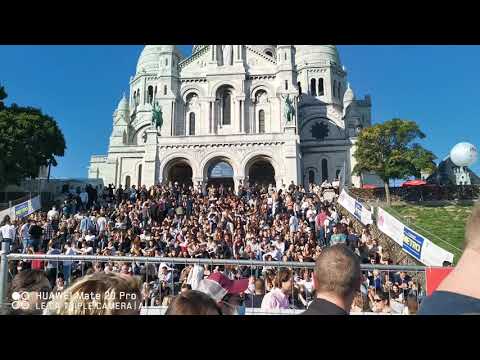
278 297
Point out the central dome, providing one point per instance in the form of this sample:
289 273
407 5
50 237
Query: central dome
311 54
150 56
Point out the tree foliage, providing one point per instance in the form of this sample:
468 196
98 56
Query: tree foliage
391 151
28 139
3 95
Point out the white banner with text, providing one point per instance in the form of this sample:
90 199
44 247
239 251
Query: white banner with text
357 209
412 242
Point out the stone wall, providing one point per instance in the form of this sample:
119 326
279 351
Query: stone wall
390 248
419 193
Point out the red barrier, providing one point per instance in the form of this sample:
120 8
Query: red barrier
434 277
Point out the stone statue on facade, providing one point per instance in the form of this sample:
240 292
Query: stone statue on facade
157 116
288 108
227 54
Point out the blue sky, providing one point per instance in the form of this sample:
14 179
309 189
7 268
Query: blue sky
80 86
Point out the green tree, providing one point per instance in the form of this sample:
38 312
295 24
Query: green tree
3 95
28 139
390 151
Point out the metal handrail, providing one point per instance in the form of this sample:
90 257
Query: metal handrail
202 261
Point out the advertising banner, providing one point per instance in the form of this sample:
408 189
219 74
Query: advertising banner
390 226
357 209
411 242
22 210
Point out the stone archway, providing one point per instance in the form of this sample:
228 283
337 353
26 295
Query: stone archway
261 171
219 171
179 170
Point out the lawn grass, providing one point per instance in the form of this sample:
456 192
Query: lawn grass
446 221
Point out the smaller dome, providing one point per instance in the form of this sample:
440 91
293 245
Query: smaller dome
349 95
123 104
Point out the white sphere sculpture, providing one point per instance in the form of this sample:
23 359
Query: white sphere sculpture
464 154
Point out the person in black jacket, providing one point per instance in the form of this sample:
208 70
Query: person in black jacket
336 280
36 233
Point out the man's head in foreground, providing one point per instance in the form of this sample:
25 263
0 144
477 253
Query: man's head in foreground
337 276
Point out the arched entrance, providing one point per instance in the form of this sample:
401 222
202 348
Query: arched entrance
261 172
219 171
179 170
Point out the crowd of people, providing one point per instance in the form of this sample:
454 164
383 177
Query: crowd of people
289 224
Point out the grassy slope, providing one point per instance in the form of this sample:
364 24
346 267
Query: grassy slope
447 222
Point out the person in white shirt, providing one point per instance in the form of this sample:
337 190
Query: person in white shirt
311 213
304 206
25 235
274 253
8 231
334 215
165 275
279 245
90 237
101 224
53 214
194 276
293 223
67 264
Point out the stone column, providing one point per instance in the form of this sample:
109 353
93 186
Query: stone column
233 116
186 121
217 121
237 180
209 117
351 179
172 119
240 117
253 125
150 175
292 159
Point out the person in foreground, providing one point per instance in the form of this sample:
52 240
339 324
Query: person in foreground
336 280
459 293
226 293
193 302
99 294
29 293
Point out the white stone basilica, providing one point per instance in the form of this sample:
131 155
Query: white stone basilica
237 113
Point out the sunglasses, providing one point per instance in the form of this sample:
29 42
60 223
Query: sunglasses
377 300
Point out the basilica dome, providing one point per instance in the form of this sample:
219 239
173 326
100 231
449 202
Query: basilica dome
149 58
312 54
123 104
349 95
